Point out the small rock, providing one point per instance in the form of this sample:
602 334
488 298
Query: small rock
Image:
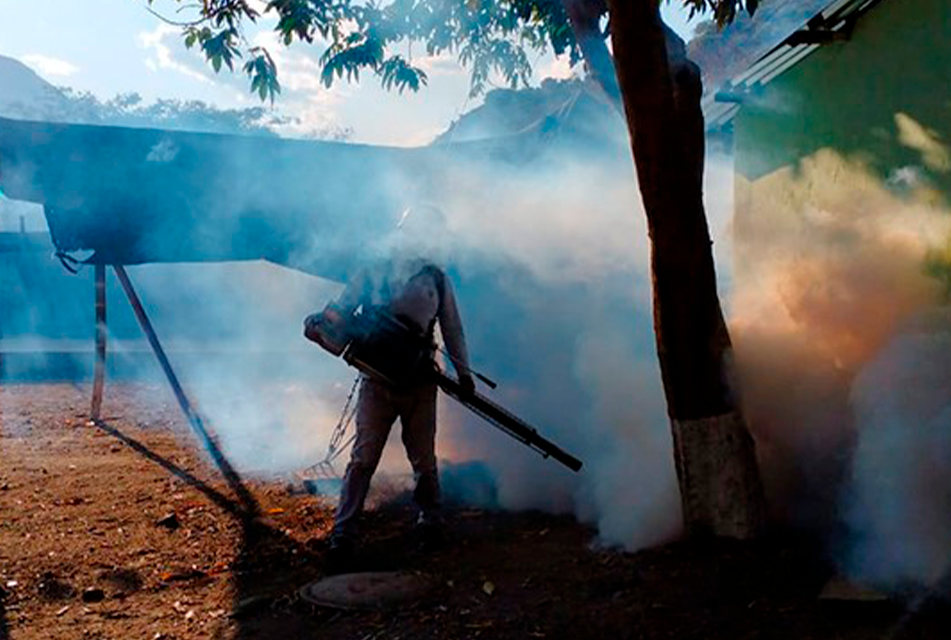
52 588
169 521
93 594
62 611
190 615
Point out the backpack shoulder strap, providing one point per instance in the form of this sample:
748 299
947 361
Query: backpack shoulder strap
439 278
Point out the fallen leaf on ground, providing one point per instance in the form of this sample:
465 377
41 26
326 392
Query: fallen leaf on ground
479 625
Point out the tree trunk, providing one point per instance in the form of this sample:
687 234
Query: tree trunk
714 454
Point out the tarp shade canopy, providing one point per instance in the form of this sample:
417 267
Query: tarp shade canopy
141 195
135 196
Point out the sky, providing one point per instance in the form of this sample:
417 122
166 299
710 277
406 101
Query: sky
116 46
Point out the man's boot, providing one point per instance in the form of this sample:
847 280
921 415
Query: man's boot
429 530
340 555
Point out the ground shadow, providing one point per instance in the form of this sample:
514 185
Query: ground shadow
269 568
4 632
224 502
267 574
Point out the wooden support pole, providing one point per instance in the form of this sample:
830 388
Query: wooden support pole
251 508
99 374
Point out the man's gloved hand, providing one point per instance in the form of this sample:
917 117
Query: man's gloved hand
311 324
467 385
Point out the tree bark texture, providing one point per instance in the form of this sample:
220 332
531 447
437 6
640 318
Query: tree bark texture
715 458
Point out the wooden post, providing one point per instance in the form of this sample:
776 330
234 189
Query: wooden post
99 374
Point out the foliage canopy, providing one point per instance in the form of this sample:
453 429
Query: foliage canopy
487 36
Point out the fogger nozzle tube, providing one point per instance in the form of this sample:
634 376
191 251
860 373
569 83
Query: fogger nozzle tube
380 346
506 421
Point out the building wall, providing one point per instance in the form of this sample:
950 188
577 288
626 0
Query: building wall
845 159
883 95
841 231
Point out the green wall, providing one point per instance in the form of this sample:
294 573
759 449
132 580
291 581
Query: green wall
843 197
846 96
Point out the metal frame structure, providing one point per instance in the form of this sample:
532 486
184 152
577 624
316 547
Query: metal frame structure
832 24
249 506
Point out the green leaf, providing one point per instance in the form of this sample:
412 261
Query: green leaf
263 73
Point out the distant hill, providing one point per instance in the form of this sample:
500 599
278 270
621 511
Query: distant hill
566 107
23 93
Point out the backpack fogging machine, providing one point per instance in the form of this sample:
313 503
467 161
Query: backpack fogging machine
382 346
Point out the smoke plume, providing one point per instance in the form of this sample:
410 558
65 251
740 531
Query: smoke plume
549 261
842 344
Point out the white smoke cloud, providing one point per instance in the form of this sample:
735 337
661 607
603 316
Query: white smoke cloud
233 333
574 305
842 346
550 266
901 477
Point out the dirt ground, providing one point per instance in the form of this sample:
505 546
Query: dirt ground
124 531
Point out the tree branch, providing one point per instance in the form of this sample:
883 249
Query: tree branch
585 18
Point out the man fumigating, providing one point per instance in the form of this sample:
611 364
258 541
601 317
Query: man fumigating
398 303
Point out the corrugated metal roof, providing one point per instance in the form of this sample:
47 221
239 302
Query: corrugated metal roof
832 24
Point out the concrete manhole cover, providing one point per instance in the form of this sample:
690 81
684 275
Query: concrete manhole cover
378 590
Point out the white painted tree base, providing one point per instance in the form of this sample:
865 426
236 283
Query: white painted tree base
716 467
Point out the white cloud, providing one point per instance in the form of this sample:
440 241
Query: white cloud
297 66
558 68
303 94
420 137
305 107
161 55
49 66
259 5
443 64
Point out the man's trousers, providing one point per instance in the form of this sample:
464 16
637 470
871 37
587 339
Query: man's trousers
378 407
